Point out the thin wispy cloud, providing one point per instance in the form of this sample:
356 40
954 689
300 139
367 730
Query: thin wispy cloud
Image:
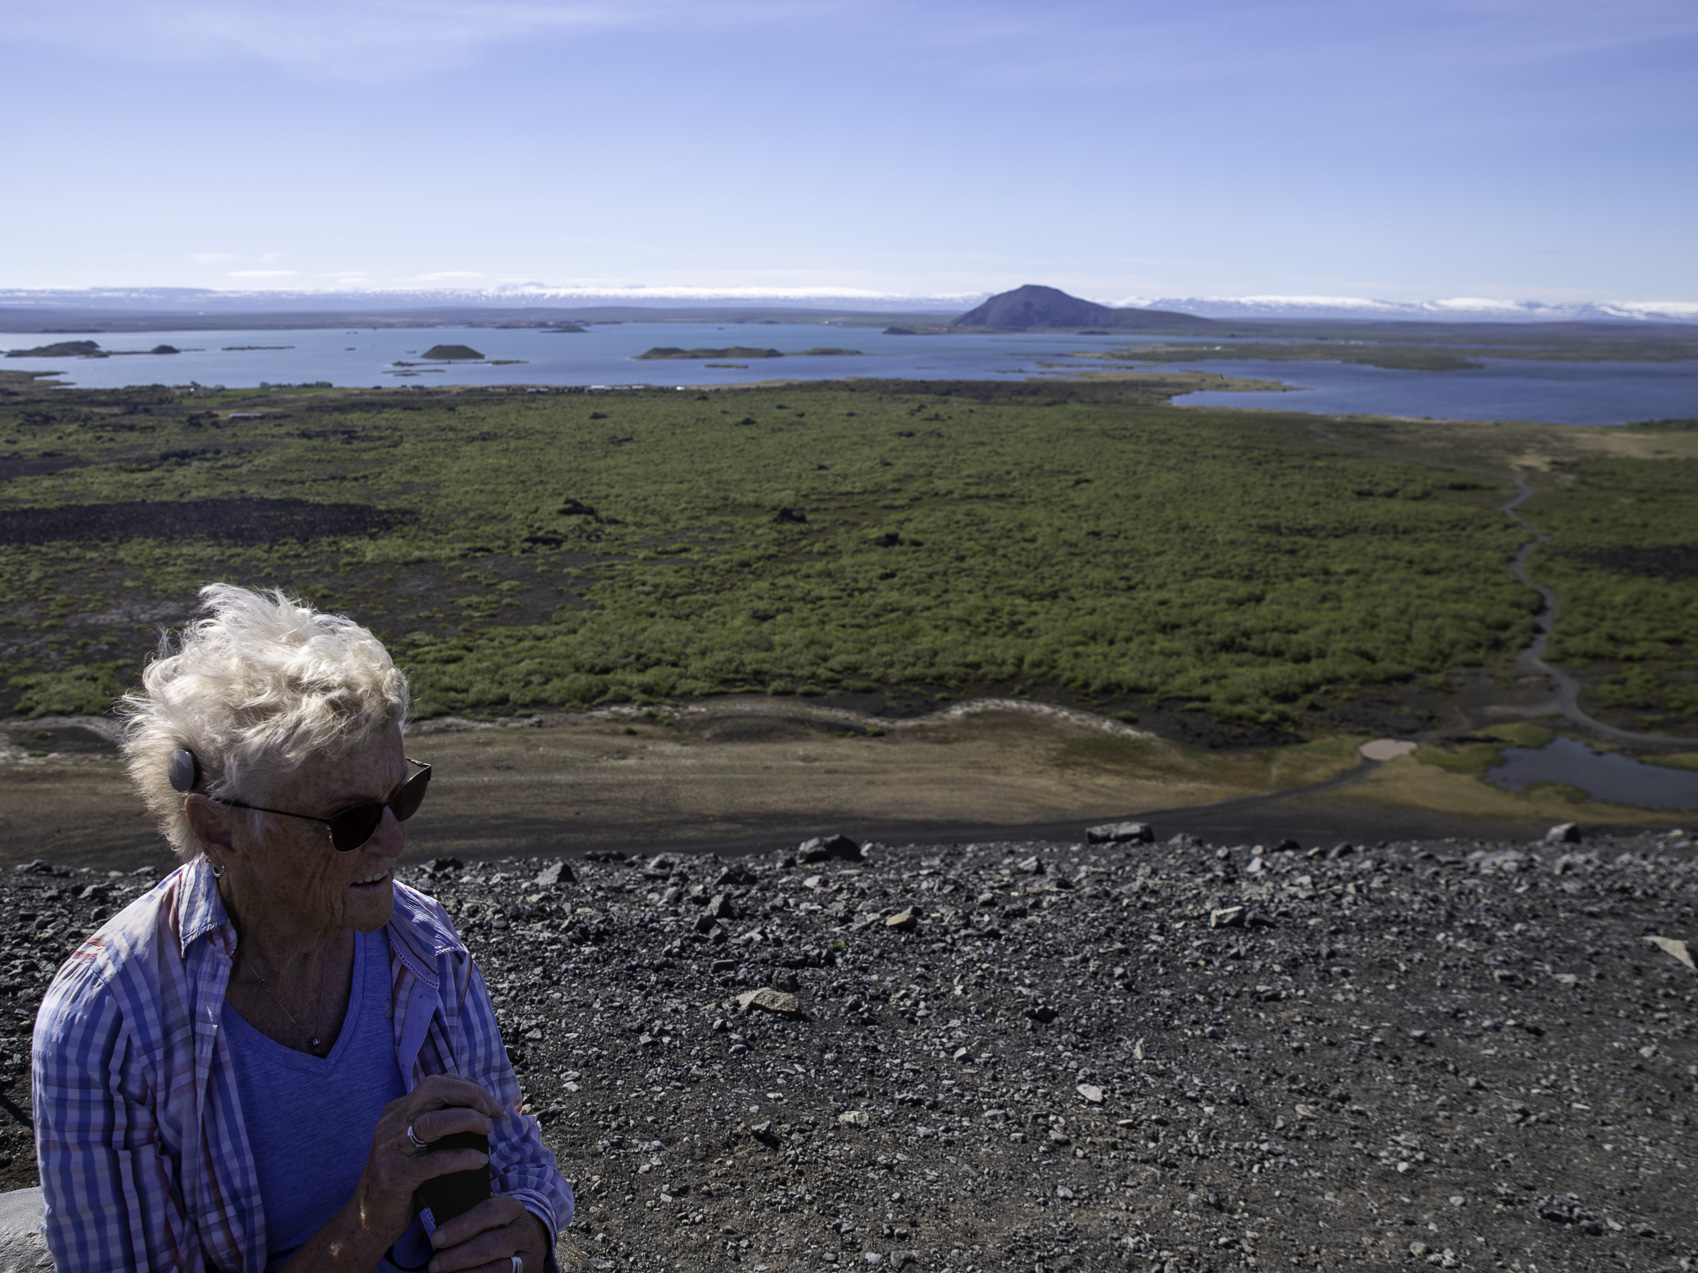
1074 44
1091 44
351 39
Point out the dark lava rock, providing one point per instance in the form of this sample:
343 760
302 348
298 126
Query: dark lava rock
246 521
829 848
1120 833
1087 1078
554 873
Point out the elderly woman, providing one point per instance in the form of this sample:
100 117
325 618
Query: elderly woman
252 1065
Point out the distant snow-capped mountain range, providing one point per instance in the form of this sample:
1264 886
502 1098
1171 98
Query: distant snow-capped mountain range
510 296
1468 309
528 295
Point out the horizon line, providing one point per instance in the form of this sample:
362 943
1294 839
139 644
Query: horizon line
532 294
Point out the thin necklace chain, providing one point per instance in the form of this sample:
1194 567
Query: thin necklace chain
314 1040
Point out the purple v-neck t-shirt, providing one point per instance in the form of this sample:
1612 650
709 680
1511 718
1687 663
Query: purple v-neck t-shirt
310 1118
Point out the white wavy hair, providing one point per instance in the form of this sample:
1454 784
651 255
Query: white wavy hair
254 688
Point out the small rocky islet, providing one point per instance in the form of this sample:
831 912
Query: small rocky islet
85 349
1147 1052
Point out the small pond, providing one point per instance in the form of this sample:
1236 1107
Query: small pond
1603 776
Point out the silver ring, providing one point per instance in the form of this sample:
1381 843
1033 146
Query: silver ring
518 1265
423 1146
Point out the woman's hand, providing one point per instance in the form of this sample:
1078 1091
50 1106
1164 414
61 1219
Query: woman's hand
381 1208
439 1106
486 1238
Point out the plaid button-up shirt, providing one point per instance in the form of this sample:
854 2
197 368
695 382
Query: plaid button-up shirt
145 1161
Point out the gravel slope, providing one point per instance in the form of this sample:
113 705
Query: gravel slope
1042 1056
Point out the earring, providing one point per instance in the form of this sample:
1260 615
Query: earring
217 869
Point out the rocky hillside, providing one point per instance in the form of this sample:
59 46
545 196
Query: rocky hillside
1140 1055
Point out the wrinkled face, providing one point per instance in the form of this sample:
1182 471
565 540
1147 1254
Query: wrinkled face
304 883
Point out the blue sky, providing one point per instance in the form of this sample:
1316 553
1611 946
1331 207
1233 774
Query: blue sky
1525 149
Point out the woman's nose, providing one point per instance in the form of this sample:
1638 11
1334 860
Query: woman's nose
390 838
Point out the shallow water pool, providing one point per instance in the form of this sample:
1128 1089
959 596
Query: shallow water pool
1603 776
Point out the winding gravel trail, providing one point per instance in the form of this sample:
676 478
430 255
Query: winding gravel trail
1568 688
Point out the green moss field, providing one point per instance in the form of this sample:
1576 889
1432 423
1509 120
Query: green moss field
1080 542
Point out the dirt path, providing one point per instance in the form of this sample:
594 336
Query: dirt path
1568 688
742 775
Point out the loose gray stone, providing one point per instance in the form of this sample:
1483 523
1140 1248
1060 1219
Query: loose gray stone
1120 833
769 1000
22 1246
827 848
554 873
1679 949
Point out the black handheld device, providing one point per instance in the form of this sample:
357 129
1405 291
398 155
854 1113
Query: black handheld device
459 1191
452 1195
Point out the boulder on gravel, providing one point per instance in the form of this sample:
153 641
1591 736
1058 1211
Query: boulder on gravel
829 848
1120 833
769 1000
721 908
1679 949
21 1244
554 873
1563 833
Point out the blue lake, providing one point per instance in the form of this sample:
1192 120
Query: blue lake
1603 776
604 354
1581 393
1503 389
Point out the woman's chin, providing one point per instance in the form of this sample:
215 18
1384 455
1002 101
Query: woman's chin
370 905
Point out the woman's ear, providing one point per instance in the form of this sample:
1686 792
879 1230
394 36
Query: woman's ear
210 822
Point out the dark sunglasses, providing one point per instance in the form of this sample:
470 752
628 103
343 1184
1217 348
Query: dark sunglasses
353 827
